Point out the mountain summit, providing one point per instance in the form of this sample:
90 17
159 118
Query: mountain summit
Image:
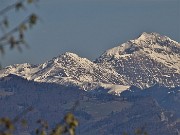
143 62
149 59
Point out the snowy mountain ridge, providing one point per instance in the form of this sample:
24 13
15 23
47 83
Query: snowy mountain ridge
68 69
149 59
143 62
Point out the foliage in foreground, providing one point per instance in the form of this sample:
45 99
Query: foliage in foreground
68 125
12 34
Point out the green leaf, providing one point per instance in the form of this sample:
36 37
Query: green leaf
33 19
23 27
72 131
43 132
19 5
69 118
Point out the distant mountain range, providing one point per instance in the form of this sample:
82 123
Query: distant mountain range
148 60
144 73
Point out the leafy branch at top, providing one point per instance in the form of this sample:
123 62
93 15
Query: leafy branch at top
16 35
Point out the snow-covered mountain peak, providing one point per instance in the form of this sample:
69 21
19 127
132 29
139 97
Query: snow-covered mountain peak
69 57
154 38
149 59
24 65
146 35
70 69
117 51
69 54
132 46
25 70
152 35
146 43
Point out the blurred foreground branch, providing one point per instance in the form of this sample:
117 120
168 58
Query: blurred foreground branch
14 36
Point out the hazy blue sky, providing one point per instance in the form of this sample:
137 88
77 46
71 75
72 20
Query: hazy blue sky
89 27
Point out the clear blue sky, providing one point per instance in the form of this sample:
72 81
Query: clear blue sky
89 27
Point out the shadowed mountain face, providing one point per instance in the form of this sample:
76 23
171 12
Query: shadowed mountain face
154 110
148 60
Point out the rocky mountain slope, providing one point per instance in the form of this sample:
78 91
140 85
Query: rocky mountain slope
148 60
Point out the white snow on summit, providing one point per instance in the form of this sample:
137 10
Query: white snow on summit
67 69
160 48
151 58
25 70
